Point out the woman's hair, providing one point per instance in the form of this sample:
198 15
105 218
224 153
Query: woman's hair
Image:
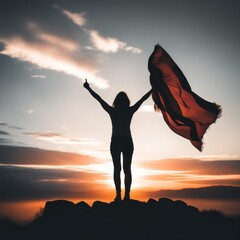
121 101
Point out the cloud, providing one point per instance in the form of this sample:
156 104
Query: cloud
4 133
187 179
60 138
77 18
108 44
105 44
181 173
15 127
47 55
54 43
10 126
51 47
30 111
38 76
20 183
35 156
3 124
5 141
213 157
32 173
196 166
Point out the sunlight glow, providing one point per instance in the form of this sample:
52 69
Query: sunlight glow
142 178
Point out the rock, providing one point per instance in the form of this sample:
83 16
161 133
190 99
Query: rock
162 219
193 210
57 208
180 203
82 205
165 201
152 203
100 205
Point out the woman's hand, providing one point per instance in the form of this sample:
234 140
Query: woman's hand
86 84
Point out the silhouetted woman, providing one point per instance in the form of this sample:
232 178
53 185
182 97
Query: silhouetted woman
121 115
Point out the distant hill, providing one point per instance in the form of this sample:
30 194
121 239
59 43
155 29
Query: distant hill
212 192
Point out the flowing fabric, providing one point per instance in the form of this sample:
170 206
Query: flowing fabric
185 112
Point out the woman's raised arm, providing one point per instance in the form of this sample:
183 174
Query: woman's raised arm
136 106
105 106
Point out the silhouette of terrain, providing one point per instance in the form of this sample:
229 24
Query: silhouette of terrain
212 192
163 219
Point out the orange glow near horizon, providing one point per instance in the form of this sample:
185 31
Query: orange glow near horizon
25 211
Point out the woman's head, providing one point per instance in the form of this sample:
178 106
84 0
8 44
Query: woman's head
121 101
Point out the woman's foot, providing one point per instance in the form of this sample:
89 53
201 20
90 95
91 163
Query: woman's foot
117 199
126 198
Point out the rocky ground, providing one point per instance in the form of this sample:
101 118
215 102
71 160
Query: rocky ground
163 219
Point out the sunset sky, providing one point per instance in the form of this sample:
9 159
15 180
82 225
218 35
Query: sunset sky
55 137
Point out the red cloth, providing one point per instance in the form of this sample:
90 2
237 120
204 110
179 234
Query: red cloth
185 112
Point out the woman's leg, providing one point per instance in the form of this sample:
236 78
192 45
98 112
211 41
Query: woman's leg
116 173
127 161
116 157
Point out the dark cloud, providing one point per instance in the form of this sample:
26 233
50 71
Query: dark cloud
4 141
3 124
4 133
32 179
20 183
15 127
36 156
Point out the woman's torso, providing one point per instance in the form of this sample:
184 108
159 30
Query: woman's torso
121 121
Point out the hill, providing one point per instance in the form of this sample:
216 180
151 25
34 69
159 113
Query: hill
212 192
